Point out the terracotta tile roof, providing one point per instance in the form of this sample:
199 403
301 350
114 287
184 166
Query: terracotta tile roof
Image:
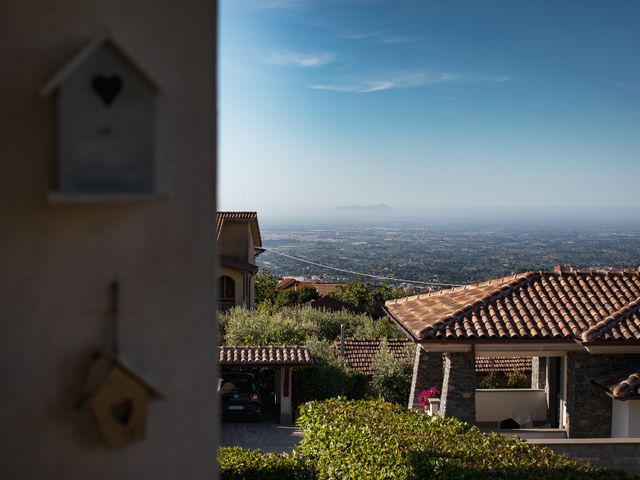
221 217
588 306
503 364
620 325
286 283
628 387
323 288
359 354
264 356
624 388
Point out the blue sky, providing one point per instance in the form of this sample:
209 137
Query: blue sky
424 105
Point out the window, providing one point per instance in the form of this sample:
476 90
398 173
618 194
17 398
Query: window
227 292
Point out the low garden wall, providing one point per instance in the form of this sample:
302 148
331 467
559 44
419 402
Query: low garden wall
619 453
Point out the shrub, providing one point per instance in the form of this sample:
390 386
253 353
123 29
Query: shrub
391 379
508 380
517 380
489 381
292 325
379 440
235 463
375 328
329 376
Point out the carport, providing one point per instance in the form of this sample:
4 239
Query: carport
281 358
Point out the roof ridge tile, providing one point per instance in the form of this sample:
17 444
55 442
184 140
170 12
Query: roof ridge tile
599 329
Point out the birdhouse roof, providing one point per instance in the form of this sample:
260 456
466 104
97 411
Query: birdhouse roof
101 365
70 66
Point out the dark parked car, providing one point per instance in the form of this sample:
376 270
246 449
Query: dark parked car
239 395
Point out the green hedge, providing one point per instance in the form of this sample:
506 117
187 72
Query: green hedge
377 440
235 463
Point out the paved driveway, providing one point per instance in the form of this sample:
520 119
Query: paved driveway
268 437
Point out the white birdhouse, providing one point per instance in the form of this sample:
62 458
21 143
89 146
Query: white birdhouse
105 123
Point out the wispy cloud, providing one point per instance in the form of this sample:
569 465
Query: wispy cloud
390 39
300 59
361 87
402 80
280 3
381 36
628 87
360 35
615 116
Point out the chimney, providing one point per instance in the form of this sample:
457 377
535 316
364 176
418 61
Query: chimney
342 340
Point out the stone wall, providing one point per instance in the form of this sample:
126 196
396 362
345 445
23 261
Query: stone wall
538 372
623 454
458 397
588 406
427 373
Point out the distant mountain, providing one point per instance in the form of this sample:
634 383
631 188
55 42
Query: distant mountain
368 210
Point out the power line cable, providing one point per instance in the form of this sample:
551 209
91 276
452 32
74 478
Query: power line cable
378 277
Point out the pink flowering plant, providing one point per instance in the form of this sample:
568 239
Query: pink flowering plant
425 395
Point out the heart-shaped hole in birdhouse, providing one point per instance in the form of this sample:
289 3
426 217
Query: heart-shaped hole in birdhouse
107 88
121 412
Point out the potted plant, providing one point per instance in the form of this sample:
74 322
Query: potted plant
430 400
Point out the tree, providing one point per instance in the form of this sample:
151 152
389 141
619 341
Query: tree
366 297
292 298
265 287
391 379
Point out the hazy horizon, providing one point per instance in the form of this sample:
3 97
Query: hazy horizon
461 215
424 105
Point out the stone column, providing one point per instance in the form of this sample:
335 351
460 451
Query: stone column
427 373
538 372
458 397
286 417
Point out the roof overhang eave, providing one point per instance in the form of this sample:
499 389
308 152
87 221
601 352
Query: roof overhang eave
399 324
513 348
612 347
243 266
266 365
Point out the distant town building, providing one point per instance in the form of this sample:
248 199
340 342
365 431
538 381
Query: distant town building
294 283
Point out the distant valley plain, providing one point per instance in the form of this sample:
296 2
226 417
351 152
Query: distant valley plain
446 252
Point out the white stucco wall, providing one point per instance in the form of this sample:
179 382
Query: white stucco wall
625 419
619 419
58 259
494 405
634 418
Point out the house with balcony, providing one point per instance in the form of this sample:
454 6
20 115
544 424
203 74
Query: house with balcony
581 330
239 242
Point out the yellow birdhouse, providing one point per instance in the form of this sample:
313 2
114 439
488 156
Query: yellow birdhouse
118 401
